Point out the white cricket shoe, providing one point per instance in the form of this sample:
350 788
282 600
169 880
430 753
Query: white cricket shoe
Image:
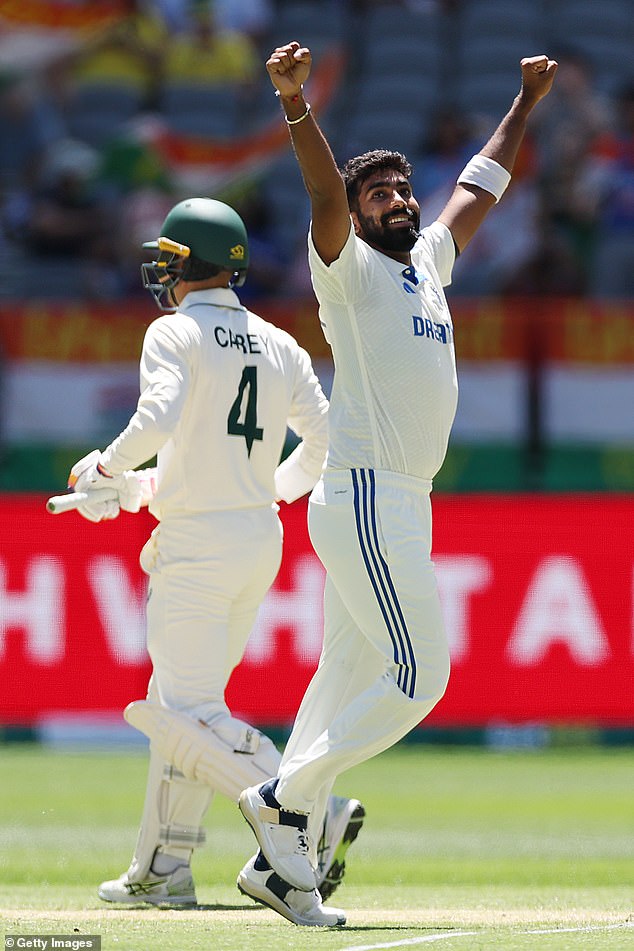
281 835
177 888
342 825
258 880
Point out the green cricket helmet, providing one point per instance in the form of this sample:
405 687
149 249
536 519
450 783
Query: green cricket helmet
199 238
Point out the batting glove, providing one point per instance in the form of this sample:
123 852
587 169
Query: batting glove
99 511
88 474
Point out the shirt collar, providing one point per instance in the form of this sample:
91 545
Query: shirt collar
217 296
409 273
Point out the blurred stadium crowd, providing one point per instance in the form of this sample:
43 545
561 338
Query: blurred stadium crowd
81 183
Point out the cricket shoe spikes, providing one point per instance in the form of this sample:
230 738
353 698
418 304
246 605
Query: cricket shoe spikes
258 880
282 835
177 888
342 824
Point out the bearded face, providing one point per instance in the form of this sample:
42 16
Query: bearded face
393 231
387 215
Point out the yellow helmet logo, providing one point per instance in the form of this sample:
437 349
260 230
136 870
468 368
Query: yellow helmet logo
237 252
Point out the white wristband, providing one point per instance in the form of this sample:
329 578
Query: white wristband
487 174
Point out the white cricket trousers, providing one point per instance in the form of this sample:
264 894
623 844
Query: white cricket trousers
209 573
385 661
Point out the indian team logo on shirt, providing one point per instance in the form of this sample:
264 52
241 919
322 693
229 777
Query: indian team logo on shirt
414 279
411 279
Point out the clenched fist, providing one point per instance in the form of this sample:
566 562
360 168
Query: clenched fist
538 73
289 68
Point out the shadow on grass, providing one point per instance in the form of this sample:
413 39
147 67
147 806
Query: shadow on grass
148 907
420 928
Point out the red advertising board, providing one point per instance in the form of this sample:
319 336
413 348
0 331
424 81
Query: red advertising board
538 595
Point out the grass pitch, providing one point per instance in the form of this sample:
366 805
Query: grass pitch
471 849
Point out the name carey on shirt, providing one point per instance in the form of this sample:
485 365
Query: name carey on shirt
246 343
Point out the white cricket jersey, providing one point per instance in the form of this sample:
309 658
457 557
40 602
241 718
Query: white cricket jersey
218 387
395 386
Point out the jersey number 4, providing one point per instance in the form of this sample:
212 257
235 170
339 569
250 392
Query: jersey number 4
248 426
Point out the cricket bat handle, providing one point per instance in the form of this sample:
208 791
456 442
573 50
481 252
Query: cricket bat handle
72 500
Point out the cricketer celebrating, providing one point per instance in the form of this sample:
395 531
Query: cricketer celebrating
379 282
219 386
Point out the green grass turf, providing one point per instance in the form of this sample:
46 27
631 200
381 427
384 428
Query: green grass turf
498 844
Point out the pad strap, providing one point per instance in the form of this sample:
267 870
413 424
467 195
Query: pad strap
174 833
182 836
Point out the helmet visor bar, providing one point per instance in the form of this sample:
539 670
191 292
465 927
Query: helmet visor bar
173 247
163 274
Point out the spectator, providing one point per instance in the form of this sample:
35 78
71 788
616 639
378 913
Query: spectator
610 180
140 184
505 242
175 13
551 269
69 223
252 18
444 153
66 218
576 111
267 269
208 53
27 131
130 53
568 127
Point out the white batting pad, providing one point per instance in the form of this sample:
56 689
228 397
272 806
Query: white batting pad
227 755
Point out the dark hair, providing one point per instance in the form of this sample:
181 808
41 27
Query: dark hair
357 169
195 269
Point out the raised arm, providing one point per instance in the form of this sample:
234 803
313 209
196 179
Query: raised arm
289 68
470 202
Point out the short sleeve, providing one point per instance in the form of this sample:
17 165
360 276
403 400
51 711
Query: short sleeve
341 280
438 243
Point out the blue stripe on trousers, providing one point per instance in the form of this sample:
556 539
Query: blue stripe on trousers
379 574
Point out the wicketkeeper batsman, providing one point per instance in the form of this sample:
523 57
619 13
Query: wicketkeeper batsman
219 386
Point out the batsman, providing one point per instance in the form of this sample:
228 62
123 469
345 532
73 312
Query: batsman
219 387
